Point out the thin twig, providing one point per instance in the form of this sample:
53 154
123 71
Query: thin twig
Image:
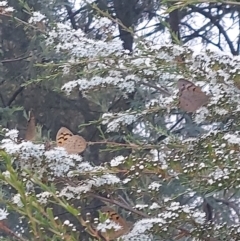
15 94
129 208
2 99
120 205
23 22
229 204
14 60
216 22
126 145
5 229
162 90
162 137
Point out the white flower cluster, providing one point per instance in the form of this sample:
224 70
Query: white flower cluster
173 212
115 121
87 84
117 161
55 163
108 225
120 74
4 7
79 46
85 186
3 3
3 214
105 64
36 17
232 138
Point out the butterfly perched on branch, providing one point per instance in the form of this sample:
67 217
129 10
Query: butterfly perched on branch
191 97
73 144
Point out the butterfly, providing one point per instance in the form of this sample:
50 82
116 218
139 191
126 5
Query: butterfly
115 217
30 134
73 144
191 97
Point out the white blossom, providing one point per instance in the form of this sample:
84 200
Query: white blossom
36 17
117 161
17 200
3 214
108 225
232 138
43 197
3 3
154 186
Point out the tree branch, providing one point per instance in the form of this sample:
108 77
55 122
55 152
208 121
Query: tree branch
14 60
196 34
70 15
15 94
215 21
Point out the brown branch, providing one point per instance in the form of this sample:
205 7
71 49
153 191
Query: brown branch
5 229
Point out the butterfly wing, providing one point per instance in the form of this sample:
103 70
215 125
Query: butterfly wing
114 216
62 136
75 144
30 134
191 96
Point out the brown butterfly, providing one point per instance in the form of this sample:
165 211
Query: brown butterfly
73 144
113 216
30 134
191 97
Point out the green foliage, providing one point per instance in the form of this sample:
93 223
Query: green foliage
183 187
